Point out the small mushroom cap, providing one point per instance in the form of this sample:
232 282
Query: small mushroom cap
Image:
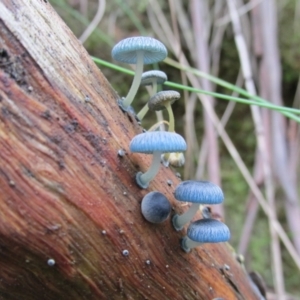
175 159
153 76
161 99
125 51
157 141
208 231
155 207
202 192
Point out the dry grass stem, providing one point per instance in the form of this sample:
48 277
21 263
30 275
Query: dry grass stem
261 139
94 23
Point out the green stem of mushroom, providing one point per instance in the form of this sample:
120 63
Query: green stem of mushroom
187 244
143 112
171 118
136 80
153 170
157 125
154 88
180 220
145 109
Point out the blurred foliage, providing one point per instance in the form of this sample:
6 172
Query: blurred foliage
289 48
127 18
290 43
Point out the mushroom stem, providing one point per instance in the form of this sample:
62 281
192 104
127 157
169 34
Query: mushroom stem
180 220
171 118
136 80
157 125
145 109
143 179
143 112
154 88
187 244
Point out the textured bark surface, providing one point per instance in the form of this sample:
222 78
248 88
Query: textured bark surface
65 194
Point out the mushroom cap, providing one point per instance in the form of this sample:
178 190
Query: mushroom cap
155 207
202 192
161 99
208 231
126 50
176 159
157 141
153 76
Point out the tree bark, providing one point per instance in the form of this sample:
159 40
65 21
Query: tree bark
66 195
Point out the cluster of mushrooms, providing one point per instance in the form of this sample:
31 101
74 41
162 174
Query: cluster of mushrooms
166 147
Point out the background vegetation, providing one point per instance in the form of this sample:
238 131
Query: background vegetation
222 38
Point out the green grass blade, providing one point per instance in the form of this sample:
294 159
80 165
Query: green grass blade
263 103
285 110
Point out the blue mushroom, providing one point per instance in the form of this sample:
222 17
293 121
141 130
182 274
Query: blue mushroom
138 50
205 231
155 207
197 192
164 100
153 78
156 143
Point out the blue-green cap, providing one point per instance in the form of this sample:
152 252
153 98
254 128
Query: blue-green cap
125 51
149 77
157 141
197 191
208 231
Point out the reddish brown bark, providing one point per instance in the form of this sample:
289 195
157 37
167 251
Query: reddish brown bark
65 194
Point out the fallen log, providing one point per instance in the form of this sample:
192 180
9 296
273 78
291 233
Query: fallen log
70 220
